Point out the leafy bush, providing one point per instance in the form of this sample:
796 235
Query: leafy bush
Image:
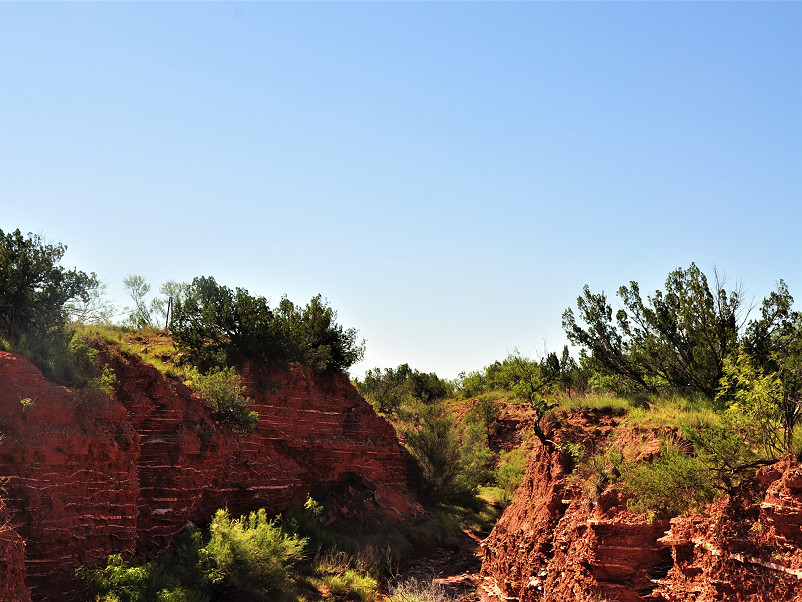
769 398
222 391
104 382
486 411
437 447
671 484
122 581
249 557
511 469
253 554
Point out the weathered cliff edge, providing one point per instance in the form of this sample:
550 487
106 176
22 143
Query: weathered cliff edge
89 476
553 544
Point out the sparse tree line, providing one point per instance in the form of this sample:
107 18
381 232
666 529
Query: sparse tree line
738 367
695 340
44 307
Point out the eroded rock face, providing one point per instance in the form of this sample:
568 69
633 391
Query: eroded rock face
72 484
552 544
12 561
558 542
91 476
315 432
744 548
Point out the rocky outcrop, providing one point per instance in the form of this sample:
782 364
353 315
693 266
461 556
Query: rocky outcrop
562 539
90 476
72 485
745 547
315 434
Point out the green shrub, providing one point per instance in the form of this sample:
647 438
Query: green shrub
122 581
253 554
104 382
511 469
222 391
487 411
729 446
437 447
671 484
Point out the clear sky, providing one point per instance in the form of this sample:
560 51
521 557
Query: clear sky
448 175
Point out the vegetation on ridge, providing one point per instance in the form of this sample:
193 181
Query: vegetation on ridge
712 393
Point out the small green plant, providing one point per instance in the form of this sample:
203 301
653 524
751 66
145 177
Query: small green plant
758 528
576 450
222 391
27 404
105 382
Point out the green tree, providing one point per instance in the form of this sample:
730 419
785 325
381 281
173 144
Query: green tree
138 288
679 338
34 288
94 309
37 295
219 327
314 337
159 306
387 390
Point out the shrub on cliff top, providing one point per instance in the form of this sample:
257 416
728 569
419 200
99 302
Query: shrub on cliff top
219 327
675 482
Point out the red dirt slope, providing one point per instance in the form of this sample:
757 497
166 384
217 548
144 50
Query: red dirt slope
91 476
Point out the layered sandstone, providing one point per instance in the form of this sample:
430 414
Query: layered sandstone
90 476
745 548
72 485
563 539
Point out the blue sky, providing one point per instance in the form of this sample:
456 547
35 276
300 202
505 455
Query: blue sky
448 175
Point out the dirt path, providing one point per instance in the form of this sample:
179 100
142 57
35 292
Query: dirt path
456 570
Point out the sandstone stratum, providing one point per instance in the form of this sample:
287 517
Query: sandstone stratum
88 476
558 542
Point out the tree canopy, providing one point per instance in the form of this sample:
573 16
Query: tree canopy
34 287
679 338
219 326
388 389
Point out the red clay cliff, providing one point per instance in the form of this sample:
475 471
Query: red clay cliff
560 541
89 476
